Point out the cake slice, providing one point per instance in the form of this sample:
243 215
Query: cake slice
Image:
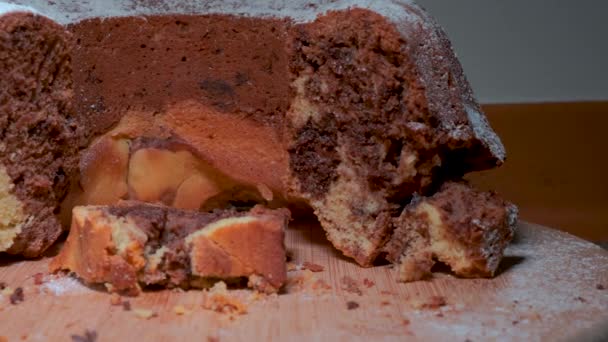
133 244
38 134
459 226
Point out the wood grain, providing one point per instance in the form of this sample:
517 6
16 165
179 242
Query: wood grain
556 164
548 278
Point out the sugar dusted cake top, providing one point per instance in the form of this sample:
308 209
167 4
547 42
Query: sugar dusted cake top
8 8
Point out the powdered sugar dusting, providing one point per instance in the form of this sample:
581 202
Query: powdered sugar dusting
484 132
555 281
8 8
63 285
69 11
574 272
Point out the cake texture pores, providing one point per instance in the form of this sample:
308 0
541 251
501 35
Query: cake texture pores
38 132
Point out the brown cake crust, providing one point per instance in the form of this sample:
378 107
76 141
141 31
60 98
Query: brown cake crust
38 132
465 229
134 243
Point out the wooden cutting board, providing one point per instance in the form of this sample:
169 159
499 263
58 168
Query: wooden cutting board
551 287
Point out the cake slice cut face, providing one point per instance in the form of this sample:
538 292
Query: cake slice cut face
461 227
134 244
38 135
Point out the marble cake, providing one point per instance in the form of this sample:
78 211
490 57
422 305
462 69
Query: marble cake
350 107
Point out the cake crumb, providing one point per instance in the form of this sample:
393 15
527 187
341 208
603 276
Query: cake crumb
212 339
257 296
385 303
305 280
405 321
115 299
600 287
7 291
89 336
126 305
2 285
17 296
219 300
312 267
109 287
299 281
291 267
38 278
350 285
535 316
436 302
368 282
581 299
351 305
433 302
144 313
320 284
180 310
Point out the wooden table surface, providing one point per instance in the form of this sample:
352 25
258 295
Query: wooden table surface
551 286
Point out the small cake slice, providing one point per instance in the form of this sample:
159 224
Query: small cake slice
38 134
465 229
133 244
